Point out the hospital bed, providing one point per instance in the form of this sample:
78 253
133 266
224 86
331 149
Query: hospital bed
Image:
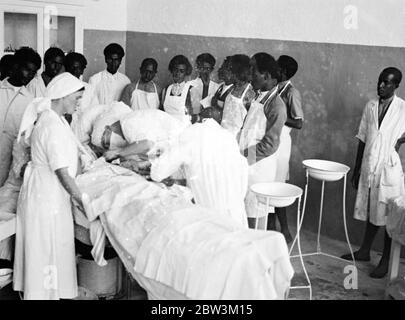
175 249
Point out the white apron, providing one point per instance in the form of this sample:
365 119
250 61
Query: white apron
176 105
234 113
284 151
264 170
45 262
144 100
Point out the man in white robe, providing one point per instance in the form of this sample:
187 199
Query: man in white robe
14 98
378 172
110 83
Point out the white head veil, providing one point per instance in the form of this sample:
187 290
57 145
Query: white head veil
61 86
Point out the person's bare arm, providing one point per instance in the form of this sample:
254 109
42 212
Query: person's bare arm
70 185
127 94
136 148
357 166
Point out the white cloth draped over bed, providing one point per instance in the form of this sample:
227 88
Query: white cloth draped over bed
160 235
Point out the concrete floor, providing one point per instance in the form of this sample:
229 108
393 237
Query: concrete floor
326 275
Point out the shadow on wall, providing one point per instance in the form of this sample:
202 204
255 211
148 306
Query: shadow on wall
335 81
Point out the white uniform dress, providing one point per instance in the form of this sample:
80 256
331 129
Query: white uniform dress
381 171
45 265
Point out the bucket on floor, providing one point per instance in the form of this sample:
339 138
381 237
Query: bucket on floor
105 282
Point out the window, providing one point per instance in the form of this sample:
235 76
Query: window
40 25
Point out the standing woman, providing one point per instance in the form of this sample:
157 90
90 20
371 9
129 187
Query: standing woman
238 101
262 135
145 93
45 264
176 98
203 87
218 100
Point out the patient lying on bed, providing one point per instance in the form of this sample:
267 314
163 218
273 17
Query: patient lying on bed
127 136
174 248
177 249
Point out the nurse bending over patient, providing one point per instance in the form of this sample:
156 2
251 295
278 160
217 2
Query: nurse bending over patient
45 262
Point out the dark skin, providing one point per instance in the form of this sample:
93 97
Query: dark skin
386 89
148 73
204 72
53 67
23 74
113 62
76 69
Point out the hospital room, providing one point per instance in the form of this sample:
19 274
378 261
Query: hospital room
237 150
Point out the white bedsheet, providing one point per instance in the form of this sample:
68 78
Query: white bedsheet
189 250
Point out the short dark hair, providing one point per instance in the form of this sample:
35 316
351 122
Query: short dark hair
73 57
266 63
27 54
206 57
240 66
54 52
114 48
289 65
6 65
180 59
396 72
149 61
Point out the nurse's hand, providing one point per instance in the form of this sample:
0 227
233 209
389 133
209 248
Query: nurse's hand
355 179
111 155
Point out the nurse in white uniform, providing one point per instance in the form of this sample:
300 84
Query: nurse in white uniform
45 262
176 97
145 93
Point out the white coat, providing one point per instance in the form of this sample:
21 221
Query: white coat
215 170
381 171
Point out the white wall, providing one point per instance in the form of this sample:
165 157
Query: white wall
98 14
106 14
297 20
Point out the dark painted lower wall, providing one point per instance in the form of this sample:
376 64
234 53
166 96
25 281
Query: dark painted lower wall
94 43
335 82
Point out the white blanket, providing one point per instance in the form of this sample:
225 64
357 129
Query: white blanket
164 237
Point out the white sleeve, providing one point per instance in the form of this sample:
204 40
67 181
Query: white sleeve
169 162
362 132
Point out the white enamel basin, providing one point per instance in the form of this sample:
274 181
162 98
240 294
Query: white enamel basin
325 170
279 194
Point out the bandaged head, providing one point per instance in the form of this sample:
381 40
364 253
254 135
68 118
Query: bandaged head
117 112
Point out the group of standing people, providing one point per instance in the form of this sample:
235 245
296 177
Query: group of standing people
40 146
255 102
